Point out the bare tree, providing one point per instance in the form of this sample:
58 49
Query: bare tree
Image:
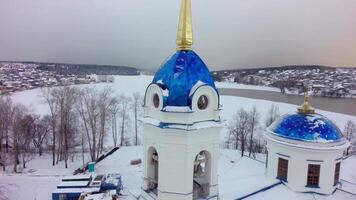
238 129
114 110
272 115
124 103
50 99
27 131
5 121
5 160
107 101
17 131
41 129
350 132
94 110
253 120
61 101
136 107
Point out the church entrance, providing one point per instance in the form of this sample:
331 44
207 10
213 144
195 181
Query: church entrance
201 175
152 170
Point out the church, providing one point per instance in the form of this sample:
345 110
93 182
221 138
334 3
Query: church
305 150
182 127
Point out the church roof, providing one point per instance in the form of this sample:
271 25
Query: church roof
306 127
181 74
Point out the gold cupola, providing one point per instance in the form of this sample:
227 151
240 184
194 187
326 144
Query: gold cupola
185 31
306 108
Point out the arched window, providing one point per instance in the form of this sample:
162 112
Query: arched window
201 175
337 173
156 100
152 170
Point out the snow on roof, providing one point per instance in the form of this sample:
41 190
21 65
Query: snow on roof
66 184
196 86
183 109
75 190
101 196
194 126
77 177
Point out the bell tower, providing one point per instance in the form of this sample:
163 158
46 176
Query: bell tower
181 125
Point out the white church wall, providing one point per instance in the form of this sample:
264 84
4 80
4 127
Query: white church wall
298 160
177 150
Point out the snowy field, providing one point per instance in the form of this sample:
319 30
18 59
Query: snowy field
128 85
245 87
236 178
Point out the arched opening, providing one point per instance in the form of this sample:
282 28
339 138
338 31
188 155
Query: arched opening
201 175
152 170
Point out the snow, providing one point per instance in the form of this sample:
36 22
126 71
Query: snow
237 176
119 162
76 190
194 126
128 85
165 92
77 177
195 87
240 176
281 192
183 109
348 170
230 85
66 184
29 187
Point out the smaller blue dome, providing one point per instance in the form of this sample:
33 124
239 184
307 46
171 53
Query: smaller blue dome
306 127
180 74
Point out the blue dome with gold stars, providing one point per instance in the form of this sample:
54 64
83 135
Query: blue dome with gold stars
306 127
180 74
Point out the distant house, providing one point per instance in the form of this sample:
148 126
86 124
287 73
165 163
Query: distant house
353 93
104 78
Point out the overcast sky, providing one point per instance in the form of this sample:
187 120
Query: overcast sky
142 33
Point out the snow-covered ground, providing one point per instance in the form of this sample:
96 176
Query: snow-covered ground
236 178
128 85
245 87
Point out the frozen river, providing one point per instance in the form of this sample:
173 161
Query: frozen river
339 105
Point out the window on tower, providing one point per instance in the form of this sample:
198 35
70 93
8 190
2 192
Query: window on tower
337 173
156 100
313 175
282 173
202 102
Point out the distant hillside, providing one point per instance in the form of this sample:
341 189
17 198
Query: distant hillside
288 67
83 69
323 80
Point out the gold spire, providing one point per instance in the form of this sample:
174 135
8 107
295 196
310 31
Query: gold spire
306 108
185 32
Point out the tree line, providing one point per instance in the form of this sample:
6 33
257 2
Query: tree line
244 130
80 120
246 127
85 121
